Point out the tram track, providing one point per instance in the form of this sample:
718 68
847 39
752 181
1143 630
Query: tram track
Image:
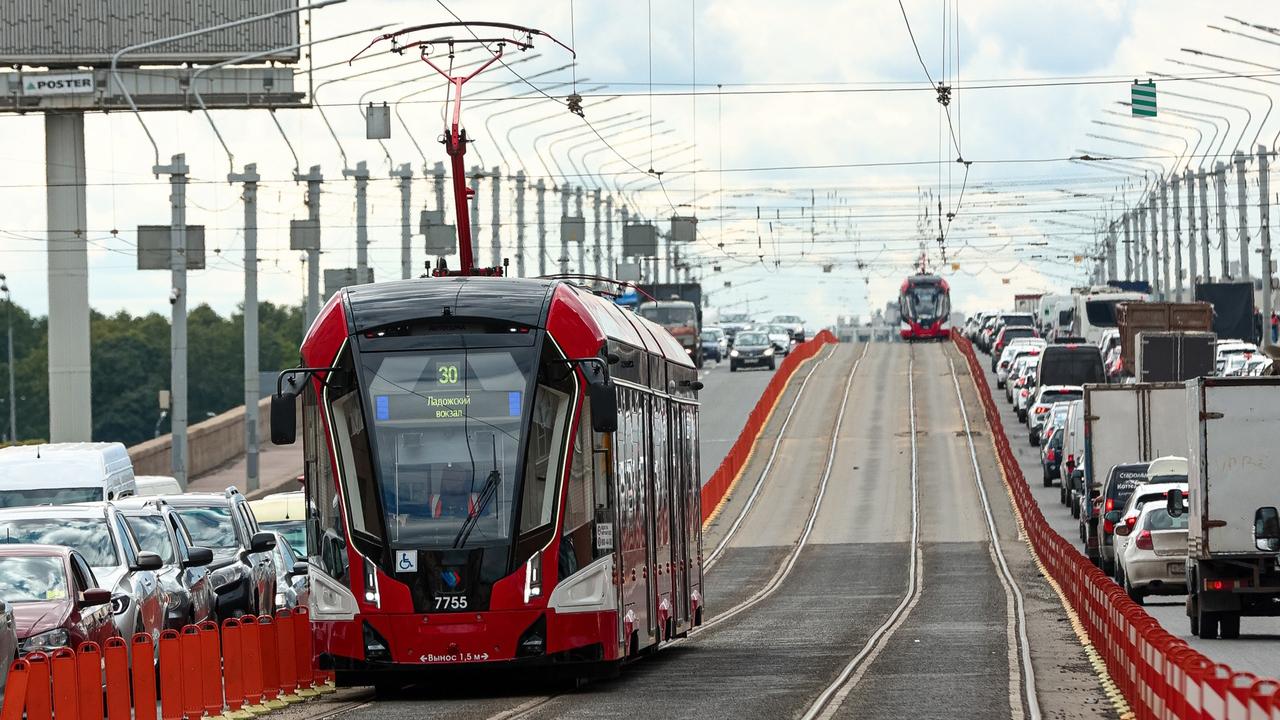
1022 693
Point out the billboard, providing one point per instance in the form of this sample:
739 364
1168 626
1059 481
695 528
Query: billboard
72 33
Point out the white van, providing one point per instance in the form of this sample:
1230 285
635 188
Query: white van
63 473
154 485
1095 311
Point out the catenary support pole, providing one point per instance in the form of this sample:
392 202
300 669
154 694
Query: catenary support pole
13 390
582 240
495 235
313 178
1164 241
252 391
540 202
1204 223
520 266
477 173
361 177
1192 276
177 172
1153 251
612 269
1111 253
595 234
564 241
1242 198
1220 190
1141 254
404 174
1175 181
67 258
1128 248
1264 233
437 183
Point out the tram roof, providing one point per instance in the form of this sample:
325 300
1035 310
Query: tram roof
521 301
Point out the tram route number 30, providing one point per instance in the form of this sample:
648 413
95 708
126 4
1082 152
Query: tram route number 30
451 602
447 374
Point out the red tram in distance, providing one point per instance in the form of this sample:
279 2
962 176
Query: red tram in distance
924 303
498 472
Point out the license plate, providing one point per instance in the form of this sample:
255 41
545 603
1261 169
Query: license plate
1177 569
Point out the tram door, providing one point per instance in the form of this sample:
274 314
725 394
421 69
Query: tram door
633 472
678 492
663 561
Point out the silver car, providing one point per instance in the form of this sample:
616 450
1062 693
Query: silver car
102 536
8 643
292 589
188 588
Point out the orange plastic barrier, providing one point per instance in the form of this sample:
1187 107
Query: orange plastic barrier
285 652
88 677
115 658
302 648
251 653
142 654
39 698
722 480
270 663
62 669
172 700
1159 675
211 668
15 691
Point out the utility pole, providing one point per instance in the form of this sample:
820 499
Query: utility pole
1164 239
249 195
437 181
1141 254
1204 223
564 241
520 268
477 172
582 240
361 176
405 174
608 236
313 179
1154 251
1192 276
1264 231
595 227
1242 195
1177 240
1128 249
495 237
540 190
1220 189
177 172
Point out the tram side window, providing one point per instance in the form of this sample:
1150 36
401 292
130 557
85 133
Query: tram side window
324 531
575 543
550 416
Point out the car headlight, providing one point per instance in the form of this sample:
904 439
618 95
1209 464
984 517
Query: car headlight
733 353
768 351
280 603
45 641
119 603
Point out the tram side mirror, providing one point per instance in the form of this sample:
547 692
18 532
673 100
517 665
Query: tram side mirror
604 400
1174 503
284 418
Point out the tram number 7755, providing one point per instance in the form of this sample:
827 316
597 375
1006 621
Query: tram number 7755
451 602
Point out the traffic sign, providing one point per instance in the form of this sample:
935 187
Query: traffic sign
1143 98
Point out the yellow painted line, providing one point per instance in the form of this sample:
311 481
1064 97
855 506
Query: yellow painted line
756 440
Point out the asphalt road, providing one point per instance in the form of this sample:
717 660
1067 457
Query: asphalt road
951 653
1258 646
726 399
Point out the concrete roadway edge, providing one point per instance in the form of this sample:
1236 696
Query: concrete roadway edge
764 426
1098 667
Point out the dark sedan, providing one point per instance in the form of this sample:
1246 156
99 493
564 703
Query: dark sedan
752 349
55 598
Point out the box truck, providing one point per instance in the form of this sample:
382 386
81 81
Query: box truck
1233 527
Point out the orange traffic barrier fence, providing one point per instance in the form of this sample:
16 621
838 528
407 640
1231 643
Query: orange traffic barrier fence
1158 674
723 479
203 671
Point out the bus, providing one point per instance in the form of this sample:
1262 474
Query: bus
498 472
924 304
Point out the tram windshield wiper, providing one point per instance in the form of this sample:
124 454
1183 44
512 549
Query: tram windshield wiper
486 494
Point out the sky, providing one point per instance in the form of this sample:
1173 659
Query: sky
819 153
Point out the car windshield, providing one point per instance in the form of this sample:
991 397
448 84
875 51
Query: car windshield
295 531
668 314
49 496
1017 320
1102 313
152 536
1053 396
210 526
735 318
32 579
91 537
750 338
711 335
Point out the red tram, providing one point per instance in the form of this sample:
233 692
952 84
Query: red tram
924 304
498 471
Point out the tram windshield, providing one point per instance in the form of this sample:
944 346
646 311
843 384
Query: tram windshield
440 432
926 301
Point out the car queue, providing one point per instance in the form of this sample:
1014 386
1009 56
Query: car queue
87 555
